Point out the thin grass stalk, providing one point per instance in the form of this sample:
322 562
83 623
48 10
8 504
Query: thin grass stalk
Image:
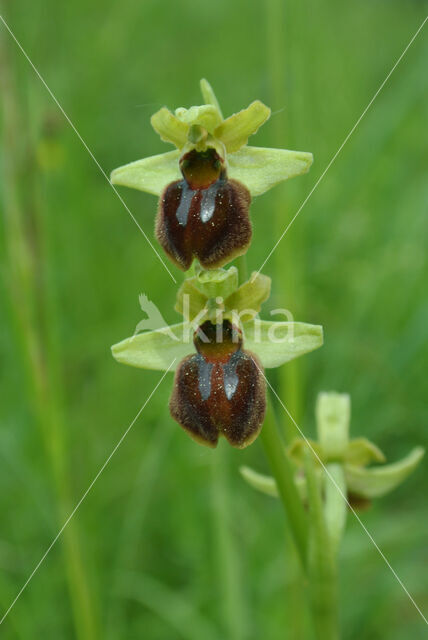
33 319
284 259
134 516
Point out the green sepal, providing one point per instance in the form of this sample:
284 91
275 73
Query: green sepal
170 127
156 349
150 174
291 340
209 95
267 484
264 484
333 411
235 130
250 296
260 169
378 481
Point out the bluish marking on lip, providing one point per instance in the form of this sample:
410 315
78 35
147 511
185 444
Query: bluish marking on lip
182 212
204 376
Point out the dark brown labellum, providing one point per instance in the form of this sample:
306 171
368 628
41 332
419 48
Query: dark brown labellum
204 215
220 390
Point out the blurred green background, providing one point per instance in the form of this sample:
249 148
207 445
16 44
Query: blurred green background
170 542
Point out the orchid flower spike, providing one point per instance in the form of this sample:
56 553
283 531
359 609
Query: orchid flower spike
206 184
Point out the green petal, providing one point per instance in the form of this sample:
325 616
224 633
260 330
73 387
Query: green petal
190 301
151 174
360 452
333 411
235 130
277 342
170 127
376 482
205 115
297 451
260 169
217 282
209 95
156 349
249 296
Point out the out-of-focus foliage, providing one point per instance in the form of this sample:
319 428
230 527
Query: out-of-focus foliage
175 544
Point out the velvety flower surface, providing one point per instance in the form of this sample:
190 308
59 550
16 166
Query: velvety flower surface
206 185
204 215
220 390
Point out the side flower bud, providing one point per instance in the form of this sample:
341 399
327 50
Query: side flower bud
204 215
220 390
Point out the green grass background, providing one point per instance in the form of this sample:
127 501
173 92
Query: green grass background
170 542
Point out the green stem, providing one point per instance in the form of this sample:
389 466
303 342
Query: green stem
335 507
228 555
284 476
241 263
322 569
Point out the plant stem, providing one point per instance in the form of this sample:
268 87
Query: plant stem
283 474
322 569
242 268
228 562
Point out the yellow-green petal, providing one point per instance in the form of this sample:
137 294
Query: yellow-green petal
235 130
377 481
150 174
249 296
218 282
361 452
278 342
190 301
260 169
205 115
170 127
298 448
156 349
